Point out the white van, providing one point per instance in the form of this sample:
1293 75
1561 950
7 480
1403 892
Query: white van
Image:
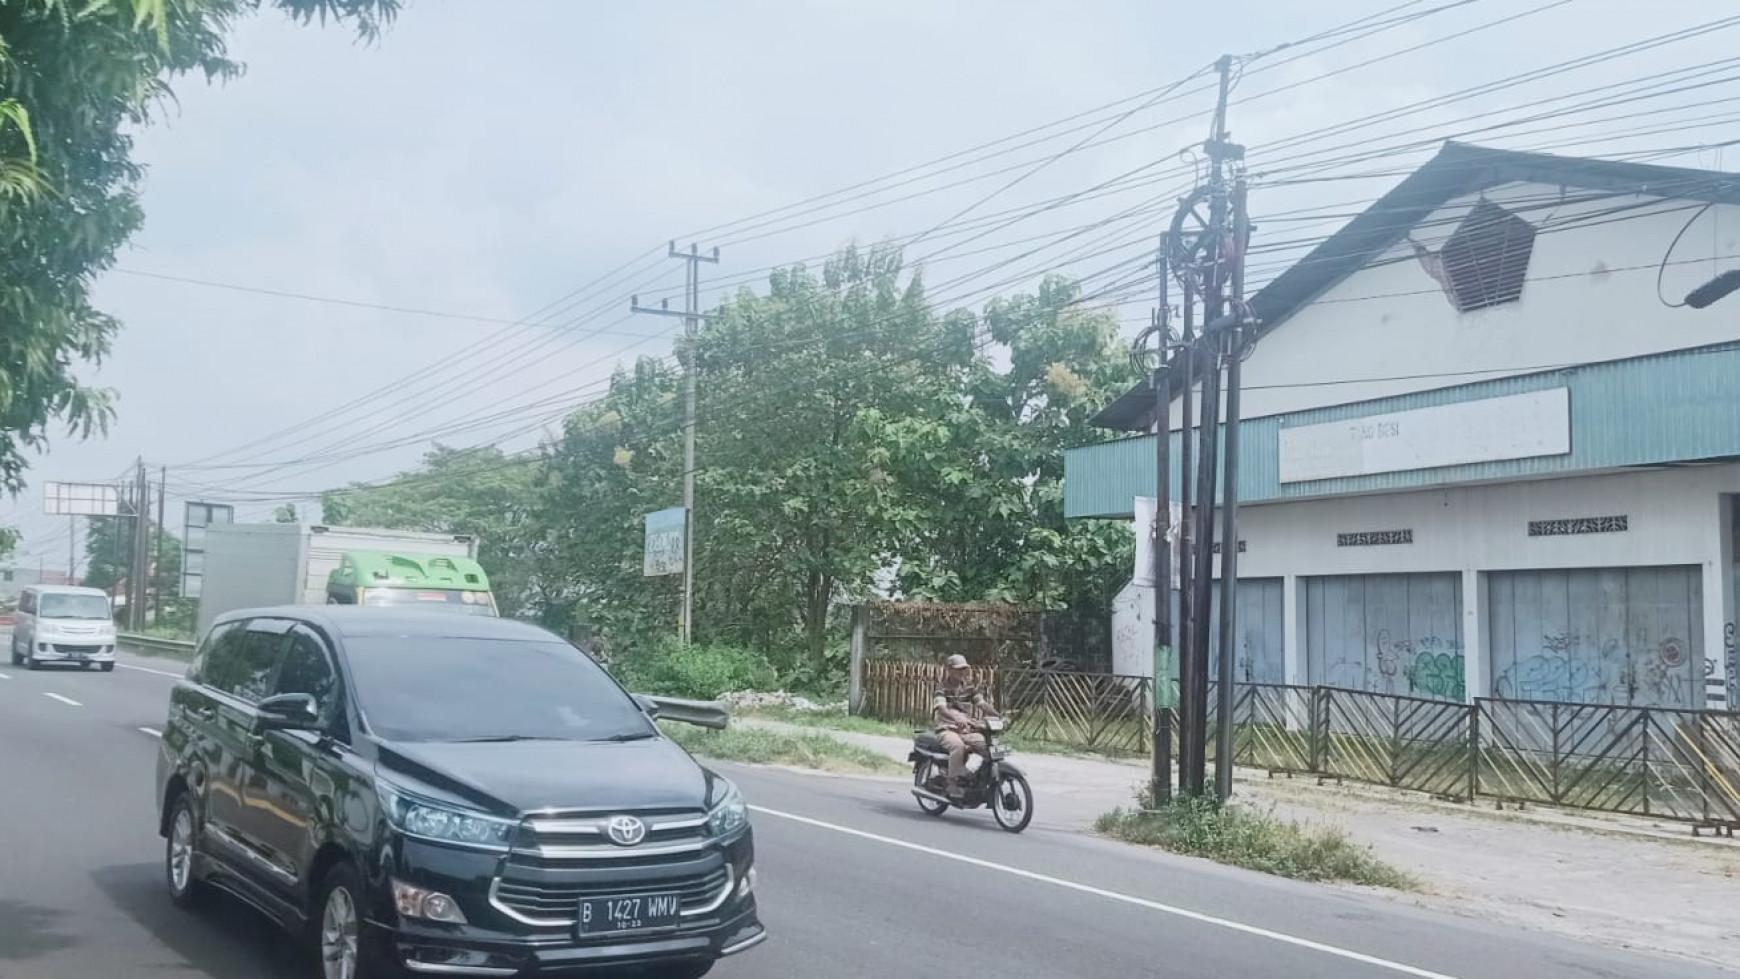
63 624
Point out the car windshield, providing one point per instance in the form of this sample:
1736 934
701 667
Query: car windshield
53 606
443 689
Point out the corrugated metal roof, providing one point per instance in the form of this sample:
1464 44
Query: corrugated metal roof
1676 407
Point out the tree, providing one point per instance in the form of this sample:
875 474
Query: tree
109 545
76 78
476 491
286 514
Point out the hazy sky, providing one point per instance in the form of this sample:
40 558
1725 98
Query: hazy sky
487 159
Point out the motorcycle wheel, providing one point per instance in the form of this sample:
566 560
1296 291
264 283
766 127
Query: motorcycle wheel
921 775
1013 789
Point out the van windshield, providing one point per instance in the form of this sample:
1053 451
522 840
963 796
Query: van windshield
58 606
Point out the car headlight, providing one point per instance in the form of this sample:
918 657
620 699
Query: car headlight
442 823
729 814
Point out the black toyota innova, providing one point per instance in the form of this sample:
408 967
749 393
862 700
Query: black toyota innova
447 795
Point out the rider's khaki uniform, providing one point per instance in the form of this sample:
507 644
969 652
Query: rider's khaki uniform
968 700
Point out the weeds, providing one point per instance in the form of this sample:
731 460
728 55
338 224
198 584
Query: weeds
1259 841
761 746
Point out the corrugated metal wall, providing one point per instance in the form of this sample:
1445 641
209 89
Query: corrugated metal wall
1391 634
1666 408
1628 636
1258 657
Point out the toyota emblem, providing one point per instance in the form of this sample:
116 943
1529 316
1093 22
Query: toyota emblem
625 830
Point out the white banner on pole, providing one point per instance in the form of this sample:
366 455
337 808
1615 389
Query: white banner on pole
1145 506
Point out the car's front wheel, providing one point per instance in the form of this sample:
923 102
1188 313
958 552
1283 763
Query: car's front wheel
179 855
342 947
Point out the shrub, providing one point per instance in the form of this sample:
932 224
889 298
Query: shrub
700 672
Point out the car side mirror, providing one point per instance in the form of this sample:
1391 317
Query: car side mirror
289 712
648 706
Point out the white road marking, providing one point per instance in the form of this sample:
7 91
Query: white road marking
65 700
5 676
152 731
147 669
1185 913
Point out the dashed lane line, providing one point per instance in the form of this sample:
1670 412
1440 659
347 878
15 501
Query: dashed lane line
65 700
147 669
152 731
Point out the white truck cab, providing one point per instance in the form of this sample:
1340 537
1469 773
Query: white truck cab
63 624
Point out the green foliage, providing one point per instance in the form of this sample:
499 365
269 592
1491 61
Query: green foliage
1253 840
77 80
762 746
286 514
848 429
456 491
700 672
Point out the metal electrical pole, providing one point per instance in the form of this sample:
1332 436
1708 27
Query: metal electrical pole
1206 262
136 593
1229 562
1187 726
157 541
692 318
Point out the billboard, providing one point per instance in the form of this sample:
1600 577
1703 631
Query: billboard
195 519
664 542
81 499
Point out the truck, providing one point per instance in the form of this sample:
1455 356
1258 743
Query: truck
260 565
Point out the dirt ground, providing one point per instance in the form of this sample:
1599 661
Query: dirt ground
1615 881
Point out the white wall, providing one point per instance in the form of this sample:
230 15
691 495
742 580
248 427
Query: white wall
1591 297
1676 517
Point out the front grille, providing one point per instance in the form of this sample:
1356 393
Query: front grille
78 650
559 902
585 837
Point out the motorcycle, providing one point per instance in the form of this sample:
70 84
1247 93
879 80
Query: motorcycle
996 782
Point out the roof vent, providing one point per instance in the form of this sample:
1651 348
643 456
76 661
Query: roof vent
1485 261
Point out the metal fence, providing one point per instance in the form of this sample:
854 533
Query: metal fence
1665 763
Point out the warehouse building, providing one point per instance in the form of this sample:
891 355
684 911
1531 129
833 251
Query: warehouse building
1487 450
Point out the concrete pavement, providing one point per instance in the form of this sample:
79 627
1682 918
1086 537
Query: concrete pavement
855 882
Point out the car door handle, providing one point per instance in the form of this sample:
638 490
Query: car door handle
256 742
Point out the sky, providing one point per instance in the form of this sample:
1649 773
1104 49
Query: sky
507 174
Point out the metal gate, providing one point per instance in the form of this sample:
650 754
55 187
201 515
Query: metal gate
1396 634
1619 636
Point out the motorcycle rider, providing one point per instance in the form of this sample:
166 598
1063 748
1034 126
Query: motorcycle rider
956 710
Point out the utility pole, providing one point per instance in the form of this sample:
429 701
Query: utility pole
72 549
157 545
1206 261
1229 562
692 318
136 590
1187 725
1165 652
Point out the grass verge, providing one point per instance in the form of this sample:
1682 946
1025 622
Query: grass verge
841 721
1241 837
760 746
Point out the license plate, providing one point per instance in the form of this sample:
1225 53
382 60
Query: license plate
619 915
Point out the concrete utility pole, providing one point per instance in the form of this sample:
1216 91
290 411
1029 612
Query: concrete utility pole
157 541
692 318
1160 553
1210 262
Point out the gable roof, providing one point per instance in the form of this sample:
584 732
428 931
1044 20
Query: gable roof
1457 170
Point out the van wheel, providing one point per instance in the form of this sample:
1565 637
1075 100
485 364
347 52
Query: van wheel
343 947
31 662
693 970
17 657
108 667
180 854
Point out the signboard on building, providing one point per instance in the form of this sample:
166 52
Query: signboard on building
1518 426
195 519
1145 540
664 542
81 499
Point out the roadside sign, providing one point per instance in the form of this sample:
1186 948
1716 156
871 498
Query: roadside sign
195 519
81 499
664 542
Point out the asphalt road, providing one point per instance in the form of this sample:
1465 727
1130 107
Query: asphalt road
854 882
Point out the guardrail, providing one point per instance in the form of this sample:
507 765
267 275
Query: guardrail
185 646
